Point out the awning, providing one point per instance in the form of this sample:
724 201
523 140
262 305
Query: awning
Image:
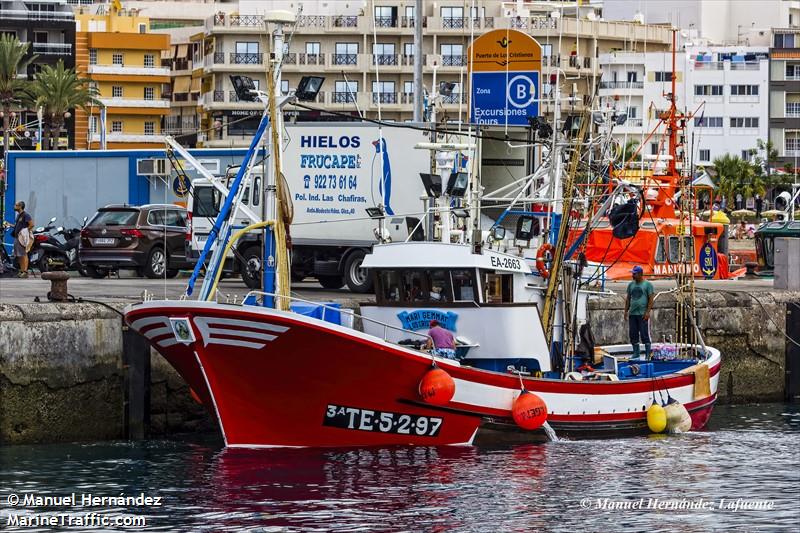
196 85
183 51
166 54
182 84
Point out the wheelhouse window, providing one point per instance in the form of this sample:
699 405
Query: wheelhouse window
425 287
497 288
688 249
661 252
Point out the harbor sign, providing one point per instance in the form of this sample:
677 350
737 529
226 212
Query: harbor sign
505 78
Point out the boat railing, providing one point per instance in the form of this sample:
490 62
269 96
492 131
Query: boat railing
386 327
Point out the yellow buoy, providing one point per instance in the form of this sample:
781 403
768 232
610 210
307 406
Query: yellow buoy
656 418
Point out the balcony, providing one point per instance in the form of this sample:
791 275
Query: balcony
792 110
219 96
622 85
709 65
338 97
24 14
345 59
384 59
746 65
129 138
245 58
311 21
133 102
52 49
533 23
344 21
453 99
410 22
129 71
385 22
454 61
384 98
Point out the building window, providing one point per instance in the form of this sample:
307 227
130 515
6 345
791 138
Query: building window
346 54
93 56
384 54
149 128
744 90
385 16
632 77
142 28
708 90
708 122
632 112
746 155
116 126
792 71
284 86
312 48
345 91
116 91
408 49
784 40
383 92
792 143
149 61
663 76
452 55
94 122
408 87
149 93
653 148
117 59
452 17
744 122
705 154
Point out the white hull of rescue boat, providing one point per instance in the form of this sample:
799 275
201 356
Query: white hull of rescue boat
276 378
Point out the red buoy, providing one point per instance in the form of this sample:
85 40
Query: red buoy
437 387
529 411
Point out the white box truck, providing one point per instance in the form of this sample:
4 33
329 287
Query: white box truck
335 171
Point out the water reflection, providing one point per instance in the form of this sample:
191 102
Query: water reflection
747 452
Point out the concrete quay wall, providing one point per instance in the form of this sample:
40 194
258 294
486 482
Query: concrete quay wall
62 376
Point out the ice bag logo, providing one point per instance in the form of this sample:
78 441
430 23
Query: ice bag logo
421 319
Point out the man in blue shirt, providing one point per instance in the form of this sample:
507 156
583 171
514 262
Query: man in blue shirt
638 304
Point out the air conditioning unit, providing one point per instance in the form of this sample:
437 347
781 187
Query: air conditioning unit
151 167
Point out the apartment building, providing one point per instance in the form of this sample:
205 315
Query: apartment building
49 27
726 88
184 53
366 56
117 52
784 96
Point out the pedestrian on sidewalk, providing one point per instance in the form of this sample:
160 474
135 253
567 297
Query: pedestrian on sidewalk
23 238
638 304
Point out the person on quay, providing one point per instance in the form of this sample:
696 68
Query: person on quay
23 238
441 342
638 304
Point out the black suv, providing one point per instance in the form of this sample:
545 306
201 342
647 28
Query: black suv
148 238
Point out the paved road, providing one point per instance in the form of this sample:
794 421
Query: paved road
130 289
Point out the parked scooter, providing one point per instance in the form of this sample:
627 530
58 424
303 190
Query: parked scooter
56 250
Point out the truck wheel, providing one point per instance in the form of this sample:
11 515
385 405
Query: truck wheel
251 268
357 278
331 282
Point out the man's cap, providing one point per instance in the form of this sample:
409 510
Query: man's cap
637 270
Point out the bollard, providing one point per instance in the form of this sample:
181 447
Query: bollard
58 286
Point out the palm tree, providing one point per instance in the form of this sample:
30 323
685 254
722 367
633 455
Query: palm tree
12 90
57 90
631 150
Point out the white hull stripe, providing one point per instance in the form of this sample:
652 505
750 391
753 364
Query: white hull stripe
148 321
212 333
501 398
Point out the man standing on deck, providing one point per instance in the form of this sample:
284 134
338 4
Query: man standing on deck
443 344
638 304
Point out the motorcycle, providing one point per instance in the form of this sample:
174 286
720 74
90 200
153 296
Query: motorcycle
58 250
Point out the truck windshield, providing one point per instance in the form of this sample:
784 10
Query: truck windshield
206 202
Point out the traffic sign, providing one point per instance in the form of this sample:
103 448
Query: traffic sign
505 78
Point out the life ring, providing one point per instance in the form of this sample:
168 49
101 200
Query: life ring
540 264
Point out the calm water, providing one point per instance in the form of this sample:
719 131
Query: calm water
751 453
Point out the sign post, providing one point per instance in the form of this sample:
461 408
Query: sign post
505 78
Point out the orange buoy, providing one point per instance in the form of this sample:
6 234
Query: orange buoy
529 410
436 386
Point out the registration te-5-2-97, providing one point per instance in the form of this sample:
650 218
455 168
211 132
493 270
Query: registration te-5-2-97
339 416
